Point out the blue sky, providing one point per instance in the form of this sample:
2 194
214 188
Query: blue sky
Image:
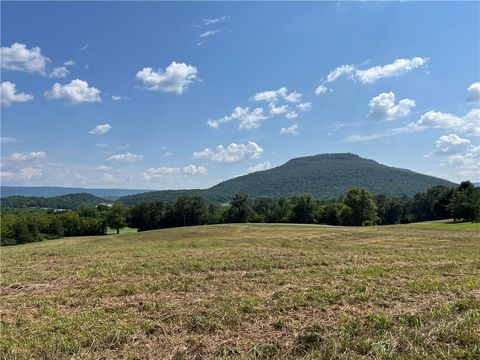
184 95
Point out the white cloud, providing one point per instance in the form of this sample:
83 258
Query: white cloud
209 33
102 145
212 21
175 78
291 115
77 91
468 124
166 171
100 129
59 72
119 98
461 157
321 89
451 144
9 95
277 110
272 96
261 166
371 75
18 57
8 139
127 157
232 153
397 68
23 156
27 173
293 130
304 106
474 93
167 154
248 119
84 47
383 107
103 168
194 170
69 63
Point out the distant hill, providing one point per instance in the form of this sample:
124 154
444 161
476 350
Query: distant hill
70 201
49 191
325 176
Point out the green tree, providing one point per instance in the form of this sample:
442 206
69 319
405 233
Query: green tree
304 208
363 210
116 217
465 202
240 210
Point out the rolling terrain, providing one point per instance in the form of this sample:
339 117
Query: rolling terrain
245 291
325 176
51 191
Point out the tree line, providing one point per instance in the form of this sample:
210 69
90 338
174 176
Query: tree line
357 208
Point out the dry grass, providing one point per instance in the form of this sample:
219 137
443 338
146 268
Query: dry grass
245 291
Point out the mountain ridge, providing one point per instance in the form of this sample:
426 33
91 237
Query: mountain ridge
325 176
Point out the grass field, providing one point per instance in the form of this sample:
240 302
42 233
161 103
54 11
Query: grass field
245 291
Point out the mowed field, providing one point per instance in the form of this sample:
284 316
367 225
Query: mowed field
246 291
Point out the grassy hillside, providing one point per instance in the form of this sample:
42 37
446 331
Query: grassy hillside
326 176
70 201
245 291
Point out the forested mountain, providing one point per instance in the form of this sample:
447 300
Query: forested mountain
325 176
50 191
70 201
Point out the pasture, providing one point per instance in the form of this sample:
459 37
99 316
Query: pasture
245 291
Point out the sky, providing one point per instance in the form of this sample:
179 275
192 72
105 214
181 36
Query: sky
157 95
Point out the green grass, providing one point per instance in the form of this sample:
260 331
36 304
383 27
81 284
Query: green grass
450 225
124 230
243 292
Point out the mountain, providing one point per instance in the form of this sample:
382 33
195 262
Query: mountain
70 201
49 191
325 176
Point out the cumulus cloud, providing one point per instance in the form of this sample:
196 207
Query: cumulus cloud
194 170
468 124
9 94
23 156
59 72
248 119
103 168
19 58
304 106
369 76
166 171
126 157
293 130
461 157
474 93
451 144
397 68
231 153
76 92
274 95
383 107
100 129
26 173
279 102
175 78
261 166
